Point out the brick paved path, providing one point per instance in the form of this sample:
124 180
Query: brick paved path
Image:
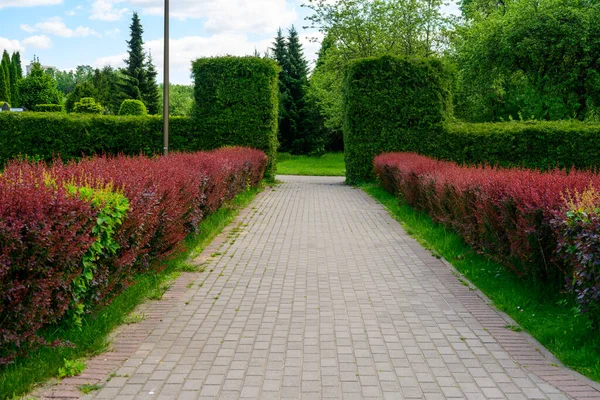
321 294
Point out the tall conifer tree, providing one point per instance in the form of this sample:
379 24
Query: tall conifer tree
134 71
279 54
15 78
150 93
297 83
5 90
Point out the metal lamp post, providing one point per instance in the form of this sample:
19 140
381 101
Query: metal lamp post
166 83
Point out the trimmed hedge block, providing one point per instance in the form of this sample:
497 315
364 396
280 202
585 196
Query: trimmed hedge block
391 104
237 103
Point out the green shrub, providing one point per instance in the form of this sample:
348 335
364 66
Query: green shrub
87 105
133 107
391 104
237 103
47 108
531 144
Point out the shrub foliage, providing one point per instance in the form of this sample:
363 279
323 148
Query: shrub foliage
132 107
48 108
391 104
518 216
73 235
237 102
87 105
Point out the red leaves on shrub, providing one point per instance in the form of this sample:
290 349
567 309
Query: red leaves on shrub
502 212
44 232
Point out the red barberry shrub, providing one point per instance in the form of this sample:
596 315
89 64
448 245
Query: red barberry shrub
577 227
505 213
45 230
44 233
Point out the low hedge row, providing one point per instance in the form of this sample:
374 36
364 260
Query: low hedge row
529 220
73 235
46 135
531 144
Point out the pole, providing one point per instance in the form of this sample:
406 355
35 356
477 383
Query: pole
166 83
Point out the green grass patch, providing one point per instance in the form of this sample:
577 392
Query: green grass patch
329 164
551 318
21 377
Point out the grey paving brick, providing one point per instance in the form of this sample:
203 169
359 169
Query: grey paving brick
323 295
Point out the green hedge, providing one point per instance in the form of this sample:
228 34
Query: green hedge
48 108
531 144
237 102
391 104
73 135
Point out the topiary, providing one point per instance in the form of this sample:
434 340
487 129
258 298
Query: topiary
87 105
133 107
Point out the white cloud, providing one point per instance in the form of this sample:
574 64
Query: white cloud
227 16
114 61
112 33
104 10
73 12
55 26
28 28
38 42
28 3
186 49
10 45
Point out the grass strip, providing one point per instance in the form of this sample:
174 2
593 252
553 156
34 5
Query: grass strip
553 319
329 164
21 377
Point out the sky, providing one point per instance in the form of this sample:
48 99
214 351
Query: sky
65 33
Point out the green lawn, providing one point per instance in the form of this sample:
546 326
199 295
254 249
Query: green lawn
21 377
552 319
329 164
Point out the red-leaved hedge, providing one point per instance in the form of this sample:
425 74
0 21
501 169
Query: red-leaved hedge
45 231
514 215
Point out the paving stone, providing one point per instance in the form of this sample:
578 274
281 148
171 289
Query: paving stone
323 295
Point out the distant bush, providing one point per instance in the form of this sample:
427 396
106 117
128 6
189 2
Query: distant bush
74 235
48 108
133 107
237 102
527 219
87 105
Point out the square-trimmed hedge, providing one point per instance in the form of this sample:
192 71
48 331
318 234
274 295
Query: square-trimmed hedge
237 102
391 104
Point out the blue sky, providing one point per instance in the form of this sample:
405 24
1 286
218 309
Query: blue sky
65 33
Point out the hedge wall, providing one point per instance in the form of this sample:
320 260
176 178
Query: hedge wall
237 101
44 135
391 104
532 144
